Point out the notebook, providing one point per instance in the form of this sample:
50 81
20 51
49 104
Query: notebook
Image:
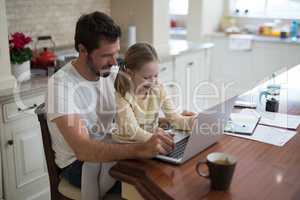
243 122
280 120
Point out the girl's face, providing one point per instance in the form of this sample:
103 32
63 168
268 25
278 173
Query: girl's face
146 77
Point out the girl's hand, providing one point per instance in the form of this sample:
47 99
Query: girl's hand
193 117
188 113
163 123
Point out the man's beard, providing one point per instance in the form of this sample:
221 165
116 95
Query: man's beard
93 69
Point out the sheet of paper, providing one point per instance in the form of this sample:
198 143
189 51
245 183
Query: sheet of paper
243 122
250 112
270 135
280 120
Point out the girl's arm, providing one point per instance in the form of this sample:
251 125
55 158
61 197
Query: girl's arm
128 127
181 122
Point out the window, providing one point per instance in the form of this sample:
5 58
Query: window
287 9
178 7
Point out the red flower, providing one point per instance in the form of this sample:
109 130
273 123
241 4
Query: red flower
19 53
19 40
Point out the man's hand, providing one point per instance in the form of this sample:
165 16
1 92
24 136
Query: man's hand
86 149
159 143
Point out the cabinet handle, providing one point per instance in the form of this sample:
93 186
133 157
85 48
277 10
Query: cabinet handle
163 69
190 63
29 108
10 142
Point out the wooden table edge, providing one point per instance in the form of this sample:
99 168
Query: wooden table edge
140 180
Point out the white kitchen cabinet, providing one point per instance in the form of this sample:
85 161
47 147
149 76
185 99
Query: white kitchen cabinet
25 171
245 69
272 57
191 71
232 66
7 81
292 55
182 74
268 58
1 179
166 76
166 73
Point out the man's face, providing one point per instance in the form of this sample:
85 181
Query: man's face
103 58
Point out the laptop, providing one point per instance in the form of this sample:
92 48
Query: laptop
207 130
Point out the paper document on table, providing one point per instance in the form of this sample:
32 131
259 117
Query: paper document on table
269 135
243 122
280 120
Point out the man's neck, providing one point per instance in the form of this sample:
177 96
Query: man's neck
83 70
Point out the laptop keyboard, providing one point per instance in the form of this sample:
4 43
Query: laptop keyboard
179 149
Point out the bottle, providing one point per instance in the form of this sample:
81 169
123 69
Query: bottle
294 30
131 35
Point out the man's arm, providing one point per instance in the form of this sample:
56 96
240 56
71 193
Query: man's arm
76 135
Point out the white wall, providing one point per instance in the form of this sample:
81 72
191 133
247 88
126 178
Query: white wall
204 18
6 79
134 13
55 17
150 17
194 22
161 22
212 14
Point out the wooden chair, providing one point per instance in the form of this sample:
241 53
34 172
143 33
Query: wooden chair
60 188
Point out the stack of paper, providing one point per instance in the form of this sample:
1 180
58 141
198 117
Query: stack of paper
269 135
274 128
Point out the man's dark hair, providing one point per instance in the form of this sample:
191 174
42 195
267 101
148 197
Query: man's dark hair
94 27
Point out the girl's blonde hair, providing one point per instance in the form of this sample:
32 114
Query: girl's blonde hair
136 56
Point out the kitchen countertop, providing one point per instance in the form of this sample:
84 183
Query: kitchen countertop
180 47
38 85
259 38
175 47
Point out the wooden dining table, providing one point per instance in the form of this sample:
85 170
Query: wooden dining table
263 171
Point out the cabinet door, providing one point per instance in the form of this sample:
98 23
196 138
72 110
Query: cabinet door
246 69
232 67
190 73
166 71
274 57
174 92
292 56
269 58
1 181
27 171
166 76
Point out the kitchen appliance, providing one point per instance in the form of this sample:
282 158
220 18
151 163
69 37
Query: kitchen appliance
43 55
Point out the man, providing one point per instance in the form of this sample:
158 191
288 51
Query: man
81 103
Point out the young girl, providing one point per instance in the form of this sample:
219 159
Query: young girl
140 97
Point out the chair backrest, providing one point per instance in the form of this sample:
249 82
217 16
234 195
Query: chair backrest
53 169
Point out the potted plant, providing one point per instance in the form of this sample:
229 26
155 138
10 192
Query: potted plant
20 55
